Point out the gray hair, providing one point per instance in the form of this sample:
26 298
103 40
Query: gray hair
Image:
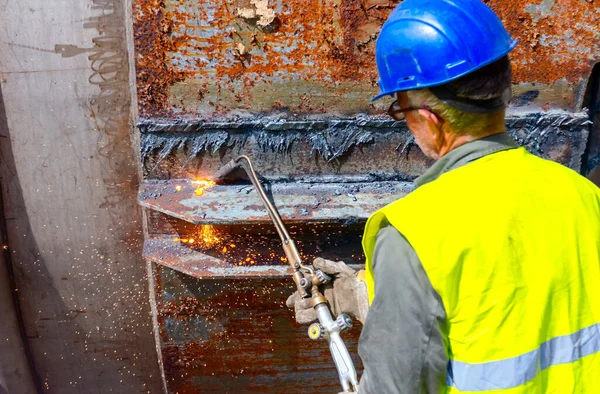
490 82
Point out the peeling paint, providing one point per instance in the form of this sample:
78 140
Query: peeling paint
541 10
543 55
285 42
260 10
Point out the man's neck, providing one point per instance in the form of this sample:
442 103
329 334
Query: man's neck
465 154
453 141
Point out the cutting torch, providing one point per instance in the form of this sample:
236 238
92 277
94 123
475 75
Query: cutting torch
307 280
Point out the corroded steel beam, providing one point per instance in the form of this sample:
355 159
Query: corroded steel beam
304 202
282 148
190 261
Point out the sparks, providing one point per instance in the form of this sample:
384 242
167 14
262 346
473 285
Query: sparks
208 235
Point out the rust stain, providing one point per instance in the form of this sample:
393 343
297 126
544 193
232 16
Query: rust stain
223 55
203 40
304 41
154 45
557 39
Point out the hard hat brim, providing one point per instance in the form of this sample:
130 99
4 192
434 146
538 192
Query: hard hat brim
424 86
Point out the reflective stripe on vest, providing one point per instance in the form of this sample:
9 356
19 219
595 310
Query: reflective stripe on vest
513 372
511 244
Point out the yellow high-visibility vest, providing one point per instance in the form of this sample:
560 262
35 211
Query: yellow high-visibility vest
511 243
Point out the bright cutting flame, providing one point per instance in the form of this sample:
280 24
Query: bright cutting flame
201 185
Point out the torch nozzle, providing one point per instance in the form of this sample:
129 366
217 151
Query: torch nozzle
225 170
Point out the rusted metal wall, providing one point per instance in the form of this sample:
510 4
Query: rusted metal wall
237 336
215 78
211 59
289 84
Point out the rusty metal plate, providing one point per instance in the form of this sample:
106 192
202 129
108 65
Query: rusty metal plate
558 47
295 201
228 59
190 261
237 336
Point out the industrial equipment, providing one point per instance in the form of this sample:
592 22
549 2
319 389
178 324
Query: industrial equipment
307 281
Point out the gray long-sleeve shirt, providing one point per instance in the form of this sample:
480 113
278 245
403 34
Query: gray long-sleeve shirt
403 345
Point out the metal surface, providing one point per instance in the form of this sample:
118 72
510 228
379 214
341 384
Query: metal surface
280 148
214 59
237 336
253 253
365 148
199 265
288 83
295 202
557 50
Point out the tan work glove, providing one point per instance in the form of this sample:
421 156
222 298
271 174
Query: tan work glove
346 293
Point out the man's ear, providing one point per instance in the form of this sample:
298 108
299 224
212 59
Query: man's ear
431 116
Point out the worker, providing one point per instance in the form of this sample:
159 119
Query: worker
485 278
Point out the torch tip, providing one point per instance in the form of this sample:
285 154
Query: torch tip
225 170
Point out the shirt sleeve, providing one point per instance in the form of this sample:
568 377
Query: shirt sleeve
402 345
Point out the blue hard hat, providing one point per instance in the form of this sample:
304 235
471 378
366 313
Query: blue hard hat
426 43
